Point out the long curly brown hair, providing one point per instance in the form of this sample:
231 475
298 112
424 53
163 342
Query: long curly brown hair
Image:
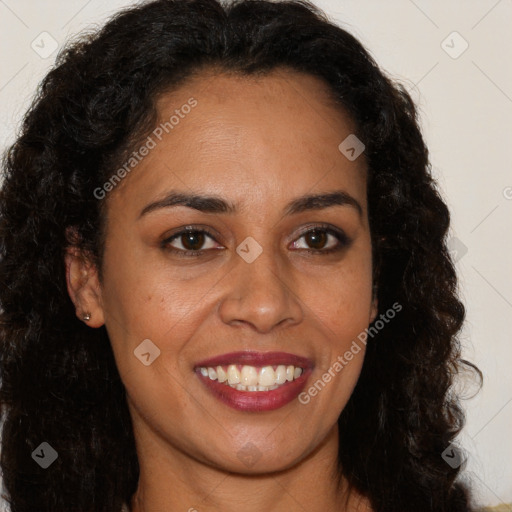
60 383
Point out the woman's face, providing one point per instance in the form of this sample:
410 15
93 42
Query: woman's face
259 145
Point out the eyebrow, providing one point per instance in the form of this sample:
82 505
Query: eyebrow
216 204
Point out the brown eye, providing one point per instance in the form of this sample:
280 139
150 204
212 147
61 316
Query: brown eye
188 242
192 240
317 240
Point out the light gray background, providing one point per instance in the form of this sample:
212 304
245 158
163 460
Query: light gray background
466 109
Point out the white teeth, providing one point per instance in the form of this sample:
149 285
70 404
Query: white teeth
281 374
221 374
249 376
233 374
267 376
252 378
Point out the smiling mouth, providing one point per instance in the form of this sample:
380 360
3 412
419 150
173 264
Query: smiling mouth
252 378
255 381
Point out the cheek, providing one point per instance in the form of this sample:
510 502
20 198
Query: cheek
341 299
137 291
150 301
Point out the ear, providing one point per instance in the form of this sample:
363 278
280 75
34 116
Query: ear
84 287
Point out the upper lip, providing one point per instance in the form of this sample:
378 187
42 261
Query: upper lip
253 358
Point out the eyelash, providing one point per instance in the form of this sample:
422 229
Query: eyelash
343 240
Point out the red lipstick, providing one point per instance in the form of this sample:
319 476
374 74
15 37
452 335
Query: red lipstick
256 401
257 359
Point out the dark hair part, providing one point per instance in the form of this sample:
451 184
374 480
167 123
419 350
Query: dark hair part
60 383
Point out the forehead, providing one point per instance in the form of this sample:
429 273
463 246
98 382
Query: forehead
263 137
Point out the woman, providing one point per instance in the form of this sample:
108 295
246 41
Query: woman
225 281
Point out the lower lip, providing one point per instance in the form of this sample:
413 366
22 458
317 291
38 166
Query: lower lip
256 401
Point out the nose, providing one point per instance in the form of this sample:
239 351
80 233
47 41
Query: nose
260 295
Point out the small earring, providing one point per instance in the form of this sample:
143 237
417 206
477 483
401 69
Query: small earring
86 317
